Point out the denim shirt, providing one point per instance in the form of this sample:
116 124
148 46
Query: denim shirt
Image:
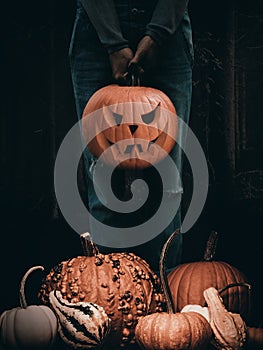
166 16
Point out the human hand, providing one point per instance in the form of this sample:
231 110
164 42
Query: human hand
146 55
119 63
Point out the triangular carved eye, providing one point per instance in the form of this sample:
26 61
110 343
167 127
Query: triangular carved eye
149 117
118 118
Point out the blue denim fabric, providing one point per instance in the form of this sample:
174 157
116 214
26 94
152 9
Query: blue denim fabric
91 70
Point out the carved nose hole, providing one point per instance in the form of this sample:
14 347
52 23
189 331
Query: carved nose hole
133 128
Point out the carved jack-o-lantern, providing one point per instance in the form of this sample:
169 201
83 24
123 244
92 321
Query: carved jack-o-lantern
129 126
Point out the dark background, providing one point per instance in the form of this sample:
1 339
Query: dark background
37 110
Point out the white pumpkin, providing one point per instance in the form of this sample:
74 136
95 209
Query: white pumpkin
28 327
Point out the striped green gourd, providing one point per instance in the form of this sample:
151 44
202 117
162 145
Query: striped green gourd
82 325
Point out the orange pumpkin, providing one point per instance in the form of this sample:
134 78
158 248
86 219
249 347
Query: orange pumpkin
179 331
188 281
122 283
135 126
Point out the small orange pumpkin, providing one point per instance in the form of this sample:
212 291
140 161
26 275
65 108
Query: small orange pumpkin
179 331
172 331
135 126
188 281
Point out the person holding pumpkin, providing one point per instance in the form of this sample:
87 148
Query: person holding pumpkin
108 37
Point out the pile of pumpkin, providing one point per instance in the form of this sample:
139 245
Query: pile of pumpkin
116 301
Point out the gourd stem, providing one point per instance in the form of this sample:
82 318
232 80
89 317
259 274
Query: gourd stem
231 285
163 276
22 298
211 246
88 246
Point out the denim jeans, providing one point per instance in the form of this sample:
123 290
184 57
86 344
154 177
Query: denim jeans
90 69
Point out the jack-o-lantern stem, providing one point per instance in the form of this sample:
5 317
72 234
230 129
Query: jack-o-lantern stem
133 77
211 246
88 246
22 298
163 276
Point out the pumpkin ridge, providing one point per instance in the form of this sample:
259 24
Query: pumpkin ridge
182 282
208 270
230 296
218 273
12 322
225 279
192 272
155 323
53 331
17 340
238 277
240 293
172 279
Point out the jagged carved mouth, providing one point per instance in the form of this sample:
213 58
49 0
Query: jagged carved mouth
130 148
